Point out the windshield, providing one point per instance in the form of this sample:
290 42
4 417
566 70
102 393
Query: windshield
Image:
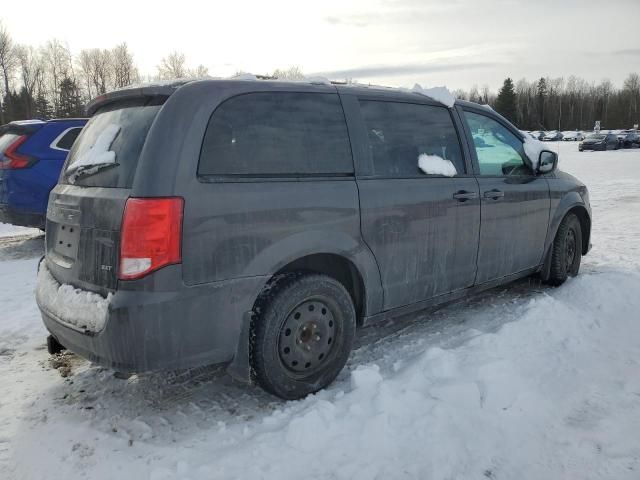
596 136
112 138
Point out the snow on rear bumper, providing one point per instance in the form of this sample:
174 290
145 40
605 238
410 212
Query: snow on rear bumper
78 309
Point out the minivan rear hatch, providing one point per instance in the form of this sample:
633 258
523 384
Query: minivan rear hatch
85 209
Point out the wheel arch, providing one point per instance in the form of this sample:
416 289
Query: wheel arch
339 268
585 225
571 204
346 258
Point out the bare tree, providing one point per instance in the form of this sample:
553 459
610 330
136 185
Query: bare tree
8 61
86 68
102 67
30 71
57 63
460 93
632 90
291 73
199 72
172 66
124 70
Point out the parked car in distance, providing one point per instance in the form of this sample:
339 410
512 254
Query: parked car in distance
31 156
629 139
599 141
571 135
552 136
281 216
538 134
528 134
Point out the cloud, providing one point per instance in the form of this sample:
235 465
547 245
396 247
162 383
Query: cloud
397 12
402 69
628 51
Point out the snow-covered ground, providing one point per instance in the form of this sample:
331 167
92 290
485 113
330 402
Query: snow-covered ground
522 382
7 230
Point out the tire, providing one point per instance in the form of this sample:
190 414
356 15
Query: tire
566 251
301 334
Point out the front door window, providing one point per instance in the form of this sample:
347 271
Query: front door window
500 153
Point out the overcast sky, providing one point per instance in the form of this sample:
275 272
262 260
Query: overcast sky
457 43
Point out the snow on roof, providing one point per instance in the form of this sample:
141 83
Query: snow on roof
244 76
439 94
35 121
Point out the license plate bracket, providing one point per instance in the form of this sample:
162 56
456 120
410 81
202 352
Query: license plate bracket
66 240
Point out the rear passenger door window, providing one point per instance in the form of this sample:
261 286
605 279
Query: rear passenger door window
65 139
399 133
277 134
500 153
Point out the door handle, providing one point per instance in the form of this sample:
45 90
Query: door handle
464 195
494 194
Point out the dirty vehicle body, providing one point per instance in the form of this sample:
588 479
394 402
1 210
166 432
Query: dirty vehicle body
257 223
31 155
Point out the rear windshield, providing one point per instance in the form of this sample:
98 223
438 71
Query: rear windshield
106 152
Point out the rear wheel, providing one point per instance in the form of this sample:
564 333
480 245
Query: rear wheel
566 251
302 334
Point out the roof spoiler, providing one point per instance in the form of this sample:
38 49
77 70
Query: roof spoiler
138 91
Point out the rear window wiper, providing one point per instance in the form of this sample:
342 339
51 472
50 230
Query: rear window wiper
86 170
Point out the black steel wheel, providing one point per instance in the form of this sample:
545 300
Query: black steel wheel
306 342
302 334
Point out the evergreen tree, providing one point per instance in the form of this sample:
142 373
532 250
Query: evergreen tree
42 107
70 103
541 92
506 101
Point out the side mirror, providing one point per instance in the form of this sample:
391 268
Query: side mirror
547 162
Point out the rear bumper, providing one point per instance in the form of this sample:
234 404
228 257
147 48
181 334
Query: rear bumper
163 330
22 219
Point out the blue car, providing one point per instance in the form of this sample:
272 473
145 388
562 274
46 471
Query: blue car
31 156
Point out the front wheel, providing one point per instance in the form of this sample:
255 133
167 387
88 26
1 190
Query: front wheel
302 334
566 251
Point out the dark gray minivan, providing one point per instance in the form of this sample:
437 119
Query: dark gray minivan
258 223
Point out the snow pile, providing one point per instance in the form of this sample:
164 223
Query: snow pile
439 94
561 378
532 149
99 153
8 230
82 309
435 165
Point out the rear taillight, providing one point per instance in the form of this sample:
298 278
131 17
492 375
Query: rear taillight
151 235
12 160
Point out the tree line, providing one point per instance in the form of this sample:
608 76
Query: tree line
563 104
50 82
